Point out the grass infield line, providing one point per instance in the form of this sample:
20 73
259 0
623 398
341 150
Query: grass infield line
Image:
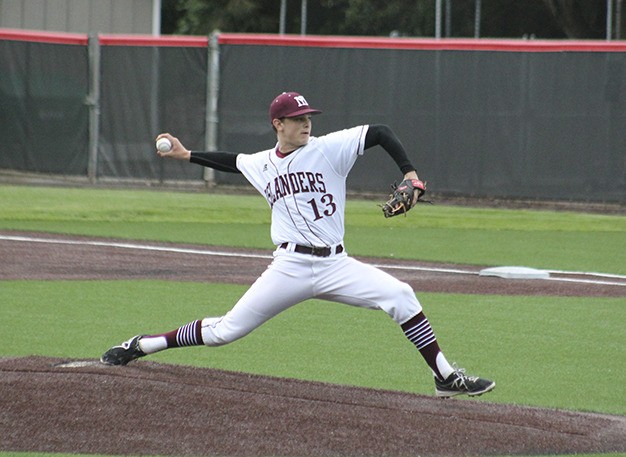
262 256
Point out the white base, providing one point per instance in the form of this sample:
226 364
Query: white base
515 273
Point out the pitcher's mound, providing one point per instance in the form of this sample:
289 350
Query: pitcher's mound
146 408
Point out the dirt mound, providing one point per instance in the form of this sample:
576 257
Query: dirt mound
148 408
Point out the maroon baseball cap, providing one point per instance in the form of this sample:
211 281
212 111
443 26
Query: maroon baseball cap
290 104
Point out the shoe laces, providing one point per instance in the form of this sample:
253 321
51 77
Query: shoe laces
462 378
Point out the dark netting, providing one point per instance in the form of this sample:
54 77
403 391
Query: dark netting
545 125
507 124
44 120
146 91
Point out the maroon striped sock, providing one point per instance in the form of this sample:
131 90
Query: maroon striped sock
420 333
187 335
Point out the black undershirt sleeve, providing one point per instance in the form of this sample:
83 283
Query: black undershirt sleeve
382 135
377 134
221 161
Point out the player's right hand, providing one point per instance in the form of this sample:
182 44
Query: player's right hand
178 151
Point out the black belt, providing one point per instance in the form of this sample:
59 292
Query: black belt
314 250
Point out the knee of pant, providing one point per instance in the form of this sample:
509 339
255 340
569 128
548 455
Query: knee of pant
215 332
407 304
215 342
213 339
406 293
211 336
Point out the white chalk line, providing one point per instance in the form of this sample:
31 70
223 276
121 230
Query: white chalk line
207 252
133 246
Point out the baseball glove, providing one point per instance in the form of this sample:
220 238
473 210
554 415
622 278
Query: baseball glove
402 198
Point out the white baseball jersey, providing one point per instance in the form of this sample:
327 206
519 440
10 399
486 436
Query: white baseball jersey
307 193
307 188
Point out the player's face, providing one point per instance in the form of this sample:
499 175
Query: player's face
294 132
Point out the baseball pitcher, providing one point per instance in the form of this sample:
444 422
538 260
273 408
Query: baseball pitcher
303 179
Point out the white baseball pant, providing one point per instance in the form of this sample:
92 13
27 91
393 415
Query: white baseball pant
292 278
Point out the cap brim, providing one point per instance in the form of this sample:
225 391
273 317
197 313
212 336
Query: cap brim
304 111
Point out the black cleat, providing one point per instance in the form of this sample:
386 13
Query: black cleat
458 384
124 353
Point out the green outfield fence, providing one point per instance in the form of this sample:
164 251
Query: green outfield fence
488 118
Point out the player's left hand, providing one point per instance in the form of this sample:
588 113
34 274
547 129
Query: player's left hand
404 196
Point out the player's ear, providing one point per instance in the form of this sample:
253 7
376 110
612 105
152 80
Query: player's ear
277 123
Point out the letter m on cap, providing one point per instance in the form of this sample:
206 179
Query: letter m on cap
300 100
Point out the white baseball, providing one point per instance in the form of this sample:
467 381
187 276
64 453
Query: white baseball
164 145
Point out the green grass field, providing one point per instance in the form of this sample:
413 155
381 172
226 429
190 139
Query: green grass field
544 351
543 239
